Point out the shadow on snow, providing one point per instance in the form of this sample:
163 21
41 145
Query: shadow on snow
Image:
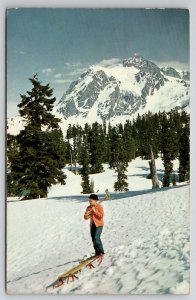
115 195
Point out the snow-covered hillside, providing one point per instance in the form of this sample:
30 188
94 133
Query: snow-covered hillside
146 238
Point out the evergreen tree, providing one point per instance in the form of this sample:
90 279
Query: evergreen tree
136 130
175 127
74 136
168 149
121 183
148 134
156 134
103 141
129 142
85 166
85 183
184 153
68 154
168 165
96 148
69 132
115 148
41 149
109 145
119 158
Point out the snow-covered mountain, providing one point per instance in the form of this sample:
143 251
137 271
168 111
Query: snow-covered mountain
118 92
121 91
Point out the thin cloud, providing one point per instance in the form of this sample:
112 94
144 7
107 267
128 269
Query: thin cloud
75 67
109 62
67 64
21 52
58 75
48 71
72 65
77 72
61 81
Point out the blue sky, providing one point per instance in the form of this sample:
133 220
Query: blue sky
60 44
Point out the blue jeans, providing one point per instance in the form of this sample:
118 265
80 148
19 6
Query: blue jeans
95 235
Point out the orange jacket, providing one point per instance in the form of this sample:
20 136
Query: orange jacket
95 216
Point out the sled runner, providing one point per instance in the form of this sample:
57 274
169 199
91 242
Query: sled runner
71 274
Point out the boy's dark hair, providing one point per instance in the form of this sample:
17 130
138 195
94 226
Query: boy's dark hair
93 196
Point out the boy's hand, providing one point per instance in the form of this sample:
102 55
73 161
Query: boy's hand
88 214
93 209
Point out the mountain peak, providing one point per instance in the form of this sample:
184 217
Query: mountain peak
141 63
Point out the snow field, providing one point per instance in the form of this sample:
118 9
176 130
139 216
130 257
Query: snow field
145 237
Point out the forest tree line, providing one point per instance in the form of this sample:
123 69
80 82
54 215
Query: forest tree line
166 133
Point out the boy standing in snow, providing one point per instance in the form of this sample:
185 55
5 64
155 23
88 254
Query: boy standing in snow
95 213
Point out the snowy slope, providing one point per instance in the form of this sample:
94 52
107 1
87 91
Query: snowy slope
125 76
146 238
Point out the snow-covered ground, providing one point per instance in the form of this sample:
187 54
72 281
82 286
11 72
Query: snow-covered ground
146 238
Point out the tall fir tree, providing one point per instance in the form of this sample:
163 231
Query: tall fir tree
41 149
114 144
121 183
74 137
120 158
85 166
129 142
96 148
184 153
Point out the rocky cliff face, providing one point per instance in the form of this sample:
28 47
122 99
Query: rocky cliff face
169 71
